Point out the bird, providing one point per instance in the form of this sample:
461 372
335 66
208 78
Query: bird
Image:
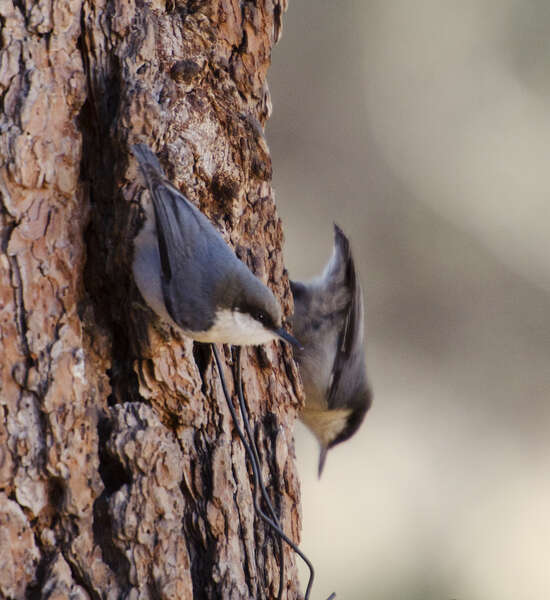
328 320
189 276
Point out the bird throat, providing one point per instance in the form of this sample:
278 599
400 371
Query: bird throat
237 328
326 424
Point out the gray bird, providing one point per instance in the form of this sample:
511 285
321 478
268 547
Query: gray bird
190 277
328 320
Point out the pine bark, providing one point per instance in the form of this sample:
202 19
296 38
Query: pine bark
120 472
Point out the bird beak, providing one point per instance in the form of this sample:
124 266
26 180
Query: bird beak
288 338
322 458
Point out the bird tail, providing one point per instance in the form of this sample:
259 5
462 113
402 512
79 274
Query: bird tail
148 162
341 272
340 269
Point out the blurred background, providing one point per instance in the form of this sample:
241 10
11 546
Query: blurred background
423 129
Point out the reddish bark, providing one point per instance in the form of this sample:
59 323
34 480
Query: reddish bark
120 474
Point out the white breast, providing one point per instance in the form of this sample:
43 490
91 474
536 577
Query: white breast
236 328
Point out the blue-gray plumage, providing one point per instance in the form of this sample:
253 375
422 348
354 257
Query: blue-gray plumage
190 277
329 322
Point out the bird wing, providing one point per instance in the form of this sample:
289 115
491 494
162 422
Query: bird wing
350 340
190 248
184 258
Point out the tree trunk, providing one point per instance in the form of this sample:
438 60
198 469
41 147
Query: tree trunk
120 473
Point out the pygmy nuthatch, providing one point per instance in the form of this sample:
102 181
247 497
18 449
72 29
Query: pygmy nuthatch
328 320
190 277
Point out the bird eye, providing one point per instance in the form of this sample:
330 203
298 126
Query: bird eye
260 316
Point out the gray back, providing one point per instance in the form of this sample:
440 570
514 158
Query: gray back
197 267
